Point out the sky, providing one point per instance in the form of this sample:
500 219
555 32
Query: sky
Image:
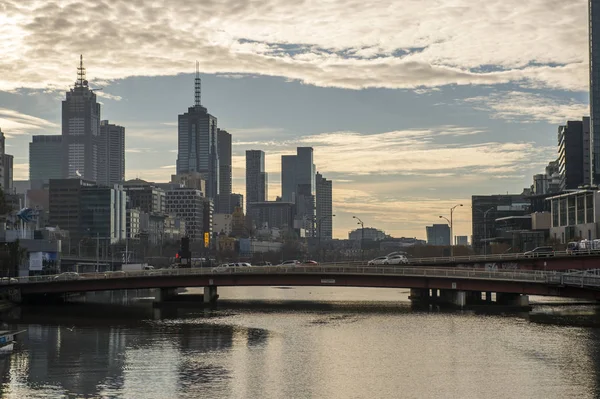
411 107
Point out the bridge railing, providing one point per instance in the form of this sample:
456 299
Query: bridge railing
324 270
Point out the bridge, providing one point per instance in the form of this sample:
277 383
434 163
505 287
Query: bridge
454 285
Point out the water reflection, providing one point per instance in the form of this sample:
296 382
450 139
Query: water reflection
329 350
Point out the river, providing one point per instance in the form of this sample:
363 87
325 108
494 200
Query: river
286 342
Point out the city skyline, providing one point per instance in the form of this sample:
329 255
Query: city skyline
430 127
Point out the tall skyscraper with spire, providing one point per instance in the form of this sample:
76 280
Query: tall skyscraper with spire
197 147
594 42
80 130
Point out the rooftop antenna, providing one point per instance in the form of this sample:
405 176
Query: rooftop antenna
81 81
198 85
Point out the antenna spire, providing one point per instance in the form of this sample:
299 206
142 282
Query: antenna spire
198 85
81 81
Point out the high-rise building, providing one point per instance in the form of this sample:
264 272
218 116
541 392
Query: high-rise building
574 154
103 213
225 171
2 152
45 158
111 154
256 178
198 143
272 214
236 201
594 43
194 180
64 206
324 207
438 234
288 178
80 130
146 197
188 205
7 166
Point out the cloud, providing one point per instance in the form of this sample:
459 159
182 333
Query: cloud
109 96
340 43
516 106
14 123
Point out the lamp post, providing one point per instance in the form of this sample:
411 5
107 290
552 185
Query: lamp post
485 227
451 230
362 238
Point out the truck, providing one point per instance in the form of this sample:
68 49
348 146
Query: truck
134 267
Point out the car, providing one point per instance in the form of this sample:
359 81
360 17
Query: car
263 263
9 280
292 262
67 276
540 252
377 261
396 260
223 267
311 262
242 264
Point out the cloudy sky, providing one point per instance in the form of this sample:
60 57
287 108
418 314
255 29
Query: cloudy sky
411 106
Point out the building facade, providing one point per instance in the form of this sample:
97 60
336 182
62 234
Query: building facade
225 172
236 201
45 158
195 180
187 204
324 209
438 234
146 197
256 178
368 233
7 169
487 208
574 216
104 213
222 223
64 205
80 130
288 178
272 214
594 59
198 144
111 154
574 154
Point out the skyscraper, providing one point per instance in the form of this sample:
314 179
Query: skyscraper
198 143
80 130
288 178
256 178
573 154
7 164
594 42
225 171
324 207
45 158
111 151
2 152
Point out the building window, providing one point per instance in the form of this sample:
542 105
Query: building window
563 212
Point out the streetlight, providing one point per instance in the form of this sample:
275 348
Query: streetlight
485 227
451 231
362 239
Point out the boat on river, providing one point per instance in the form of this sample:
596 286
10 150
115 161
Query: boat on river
7 341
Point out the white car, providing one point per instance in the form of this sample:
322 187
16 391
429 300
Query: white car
223 267
396 260
243 264
290 263
377 261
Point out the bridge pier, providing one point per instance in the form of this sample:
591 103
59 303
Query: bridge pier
210 294
488 297
517 300
164 294
419 295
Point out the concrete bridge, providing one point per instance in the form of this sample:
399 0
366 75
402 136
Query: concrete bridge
453 285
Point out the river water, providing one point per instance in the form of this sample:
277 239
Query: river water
301 343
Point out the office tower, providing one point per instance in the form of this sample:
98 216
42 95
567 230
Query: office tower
45 158
7 166
103 213
111 151
188 205
236 201
147 197
324 208
80 130
256 178
198 143
573 154
594 43
64 206
288 178
438 234
225 171
2 152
